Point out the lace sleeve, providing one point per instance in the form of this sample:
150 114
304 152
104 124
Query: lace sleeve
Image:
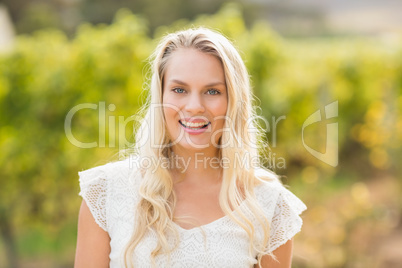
286 221
93 183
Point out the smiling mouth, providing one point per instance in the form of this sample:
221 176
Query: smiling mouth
194 126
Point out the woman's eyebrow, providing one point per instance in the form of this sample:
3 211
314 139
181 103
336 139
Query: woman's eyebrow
216 84
176 81
208 85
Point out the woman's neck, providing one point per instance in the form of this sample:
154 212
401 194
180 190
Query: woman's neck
196 166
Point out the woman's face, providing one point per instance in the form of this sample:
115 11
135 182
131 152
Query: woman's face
194 99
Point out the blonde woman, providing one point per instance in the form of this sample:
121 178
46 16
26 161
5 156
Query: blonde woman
193 193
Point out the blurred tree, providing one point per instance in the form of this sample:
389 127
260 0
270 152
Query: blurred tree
36 16
40 82
66 15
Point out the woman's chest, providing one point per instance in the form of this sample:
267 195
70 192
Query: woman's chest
221 244
196 211
196 207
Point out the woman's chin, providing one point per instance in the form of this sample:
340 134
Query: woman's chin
194 145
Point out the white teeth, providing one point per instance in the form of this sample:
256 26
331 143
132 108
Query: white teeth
193 125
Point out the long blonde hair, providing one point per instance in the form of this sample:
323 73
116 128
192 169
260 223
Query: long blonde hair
240 143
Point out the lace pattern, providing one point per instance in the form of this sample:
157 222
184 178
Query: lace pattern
285 221
93 185
111 193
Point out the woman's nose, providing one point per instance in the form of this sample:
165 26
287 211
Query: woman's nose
195 104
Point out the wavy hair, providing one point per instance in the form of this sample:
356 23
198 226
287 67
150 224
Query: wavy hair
241 142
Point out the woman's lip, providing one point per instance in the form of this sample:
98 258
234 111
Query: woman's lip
195 128
194 120
195 131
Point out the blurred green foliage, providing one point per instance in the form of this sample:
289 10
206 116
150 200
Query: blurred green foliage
46 75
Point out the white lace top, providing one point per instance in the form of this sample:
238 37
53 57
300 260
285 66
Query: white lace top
111 193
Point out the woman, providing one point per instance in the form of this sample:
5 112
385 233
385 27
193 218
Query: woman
192 194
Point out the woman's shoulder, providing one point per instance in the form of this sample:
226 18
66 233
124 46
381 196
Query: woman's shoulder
110 181
109 188
266 181
273 195
122 170
281 207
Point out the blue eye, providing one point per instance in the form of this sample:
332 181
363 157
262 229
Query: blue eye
213 92
178 90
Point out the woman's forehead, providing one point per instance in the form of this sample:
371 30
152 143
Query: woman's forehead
186 65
